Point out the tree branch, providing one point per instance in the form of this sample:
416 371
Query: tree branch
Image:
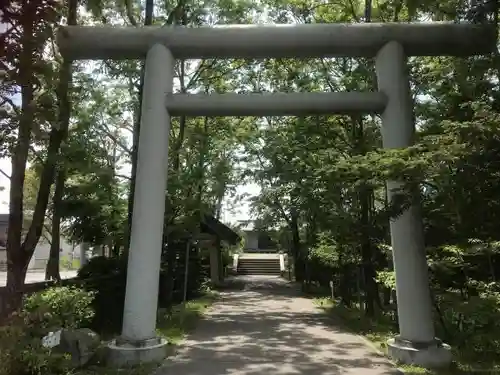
5 174
122 176
10 102
109 134
130 12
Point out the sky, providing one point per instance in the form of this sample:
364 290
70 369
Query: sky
5 166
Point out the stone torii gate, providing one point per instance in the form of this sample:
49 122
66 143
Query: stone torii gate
389 43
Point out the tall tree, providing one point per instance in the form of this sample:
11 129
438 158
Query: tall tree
32 23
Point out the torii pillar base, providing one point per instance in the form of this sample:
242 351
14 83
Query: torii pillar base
124 354
435 354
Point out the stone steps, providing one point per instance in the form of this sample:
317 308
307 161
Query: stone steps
256 266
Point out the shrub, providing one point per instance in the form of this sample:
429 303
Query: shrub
108 302
21 350
101 267
106 278
473 323
22 353
63 306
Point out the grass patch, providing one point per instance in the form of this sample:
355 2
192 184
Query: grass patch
172 325
380 329
65 263
146 369
182 319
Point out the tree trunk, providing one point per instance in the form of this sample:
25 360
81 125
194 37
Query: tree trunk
220 197
221 268
16 274
168 279
298 257
148 20
19 255
369 285
52 270
116 250
387 296
17 259
344 281
364 204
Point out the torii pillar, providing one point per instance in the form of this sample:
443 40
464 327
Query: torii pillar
138 341
416 342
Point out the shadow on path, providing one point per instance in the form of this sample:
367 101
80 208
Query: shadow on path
268 328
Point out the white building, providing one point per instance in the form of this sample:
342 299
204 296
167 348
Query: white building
255 240
68 250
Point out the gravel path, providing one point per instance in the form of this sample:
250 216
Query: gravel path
267 328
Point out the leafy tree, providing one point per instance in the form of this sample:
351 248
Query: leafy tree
29 32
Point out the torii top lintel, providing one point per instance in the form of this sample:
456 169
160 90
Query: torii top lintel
277 41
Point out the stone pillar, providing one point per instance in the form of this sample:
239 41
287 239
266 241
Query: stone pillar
416 343
138 341
84 248
235 262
